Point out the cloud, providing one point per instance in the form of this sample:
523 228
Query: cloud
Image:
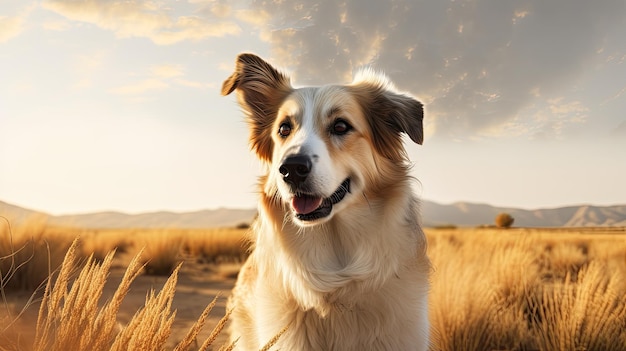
619 132
140 87
10 27
479 63
142 19
195 84
13 25
194 28
221 10
86 65
615 96
556 117
158 78
255 17
167 71
545 119
559 107
56 25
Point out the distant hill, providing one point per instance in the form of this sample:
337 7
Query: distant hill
433 214
199 219
18 214
469 214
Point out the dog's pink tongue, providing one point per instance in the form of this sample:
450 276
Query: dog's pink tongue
305 204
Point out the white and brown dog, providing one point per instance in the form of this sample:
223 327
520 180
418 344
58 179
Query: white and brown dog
339 257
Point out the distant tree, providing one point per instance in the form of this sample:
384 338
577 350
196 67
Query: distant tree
504 220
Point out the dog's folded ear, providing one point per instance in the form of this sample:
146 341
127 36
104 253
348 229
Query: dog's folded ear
407 115
261 89
388 112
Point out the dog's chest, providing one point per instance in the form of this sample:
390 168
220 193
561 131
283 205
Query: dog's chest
348 326
349 321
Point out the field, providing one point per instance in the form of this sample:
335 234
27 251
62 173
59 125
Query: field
492 289
525 289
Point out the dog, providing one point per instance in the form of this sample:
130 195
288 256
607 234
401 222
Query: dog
338 258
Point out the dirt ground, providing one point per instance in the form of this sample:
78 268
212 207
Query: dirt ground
198 284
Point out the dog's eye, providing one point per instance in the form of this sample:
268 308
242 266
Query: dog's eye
284 130
340 127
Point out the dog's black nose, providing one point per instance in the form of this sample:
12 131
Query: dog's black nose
295 169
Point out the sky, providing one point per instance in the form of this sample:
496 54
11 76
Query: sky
116 105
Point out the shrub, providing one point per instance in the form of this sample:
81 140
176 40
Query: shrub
242 225
504 220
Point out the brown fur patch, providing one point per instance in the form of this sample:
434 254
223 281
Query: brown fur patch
261 89
389 114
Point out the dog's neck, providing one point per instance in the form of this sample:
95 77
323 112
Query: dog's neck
343 256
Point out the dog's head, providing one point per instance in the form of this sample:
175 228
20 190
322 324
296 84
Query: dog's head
325 147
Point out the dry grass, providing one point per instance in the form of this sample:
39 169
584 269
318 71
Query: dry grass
492 289
70 317
71 300
528 290
164 249
221 245
101 242
29 252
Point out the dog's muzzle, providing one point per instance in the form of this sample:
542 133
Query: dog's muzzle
308 206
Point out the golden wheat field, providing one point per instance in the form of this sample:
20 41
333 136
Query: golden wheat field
492 289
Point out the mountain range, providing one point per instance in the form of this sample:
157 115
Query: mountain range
433 214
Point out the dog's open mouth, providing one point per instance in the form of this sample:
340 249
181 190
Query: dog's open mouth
309 207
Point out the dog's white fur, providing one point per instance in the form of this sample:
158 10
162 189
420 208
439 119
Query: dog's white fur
356 279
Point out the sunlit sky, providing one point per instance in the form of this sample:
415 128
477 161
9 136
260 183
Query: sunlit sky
115 105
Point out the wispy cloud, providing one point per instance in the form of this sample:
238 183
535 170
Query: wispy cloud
615 96
158 78
13 25
195 84
255 17
10 27
548 119
56 25
221 10
167 71
140 87
194 28
573 110
86 65
619 132
142 19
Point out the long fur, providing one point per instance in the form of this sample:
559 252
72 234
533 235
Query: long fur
358 278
